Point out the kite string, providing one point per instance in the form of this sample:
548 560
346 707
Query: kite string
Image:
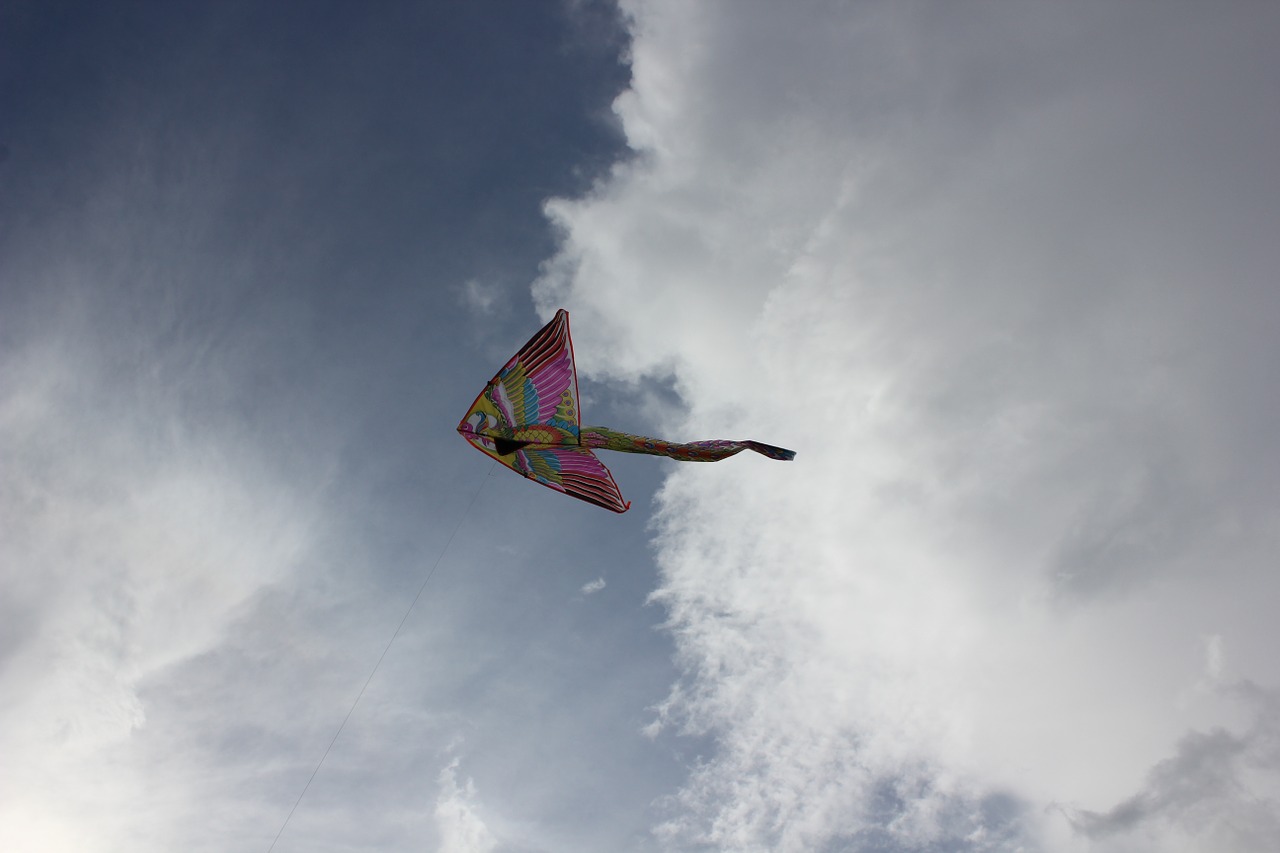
466 512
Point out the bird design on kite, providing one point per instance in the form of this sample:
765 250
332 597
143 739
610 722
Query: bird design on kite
527 418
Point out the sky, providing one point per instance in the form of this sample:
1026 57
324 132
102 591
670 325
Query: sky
1002 275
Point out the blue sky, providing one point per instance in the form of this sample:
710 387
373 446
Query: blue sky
243 243
1004 278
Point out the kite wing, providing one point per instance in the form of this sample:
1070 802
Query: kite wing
539 385
574 471
533 400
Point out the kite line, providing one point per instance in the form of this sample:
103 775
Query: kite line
465 513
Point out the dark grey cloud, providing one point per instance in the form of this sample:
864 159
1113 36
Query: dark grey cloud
1209 785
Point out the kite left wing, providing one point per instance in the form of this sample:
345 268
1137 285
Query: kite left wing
538 386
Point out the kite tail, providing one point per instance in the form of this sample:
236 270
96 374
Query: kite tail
779 453
694 451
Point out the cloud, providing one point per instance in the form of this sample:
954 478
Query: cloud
152 506
1219 787
592 587
461 828
478 297
137 539
999 282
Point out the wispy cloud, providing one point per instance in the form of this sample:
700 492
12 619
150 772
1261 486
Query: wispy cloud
138 537
480 298
458 821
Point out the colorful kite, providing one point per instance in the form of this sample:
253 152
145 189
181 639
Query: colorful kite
527 419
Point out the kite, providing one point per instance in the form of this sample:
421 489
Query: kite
527 418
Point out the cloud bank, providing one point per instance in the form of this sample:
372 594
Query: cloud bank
1005 279
136 537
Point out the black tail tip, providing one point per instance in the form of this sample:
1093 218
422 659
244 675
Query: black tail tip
779 453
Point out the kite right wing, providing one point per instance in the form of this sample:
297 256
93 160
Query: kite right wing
574 471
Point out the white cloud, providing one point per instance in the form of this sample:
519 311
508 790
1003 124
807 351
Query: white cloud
592 587
479 297
1001 281
136 536
458 821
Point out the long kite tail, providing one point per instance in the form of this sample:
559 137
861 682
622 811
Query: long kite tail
692 451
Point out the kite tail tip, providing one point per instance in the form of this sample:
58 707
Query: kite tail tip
779 453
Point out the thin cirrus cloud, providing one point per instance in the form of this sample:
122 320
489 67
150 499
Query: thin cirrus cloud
1004 280
137 539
